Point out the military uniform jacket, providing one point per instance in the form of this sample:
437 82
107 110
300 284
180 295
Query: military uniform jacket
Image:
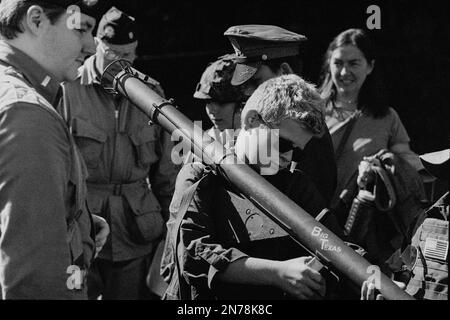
123 152
207 244
45 228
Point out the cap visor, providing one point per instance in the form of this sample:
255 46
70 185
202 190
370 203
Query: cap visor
436 158
437 163
244 72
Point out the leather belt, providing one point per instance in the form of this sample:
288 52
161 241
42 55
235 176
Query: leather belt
118 189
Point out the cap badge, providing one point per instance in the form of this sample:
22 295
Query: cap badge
46 81
109 31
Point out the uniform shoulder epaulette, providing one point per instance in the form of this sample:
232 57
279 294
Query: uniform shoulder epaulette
13 90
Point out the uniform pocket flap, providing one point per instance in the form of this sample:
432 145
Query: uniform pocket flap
148 223
82 128
142 202
143 135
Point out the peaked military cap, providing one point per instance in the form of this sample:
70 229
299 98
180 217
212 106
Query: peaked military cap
116 27
215 83
254 44
437 163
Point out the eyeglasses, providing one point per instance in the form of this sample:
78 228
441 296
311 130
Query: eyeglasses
284 145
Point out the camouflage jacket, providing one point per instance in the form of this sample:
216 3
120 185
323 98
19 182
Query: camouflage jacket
131 175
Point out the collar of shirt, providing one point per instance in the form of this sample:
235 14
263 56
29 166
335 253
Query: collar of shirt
41 80
88 72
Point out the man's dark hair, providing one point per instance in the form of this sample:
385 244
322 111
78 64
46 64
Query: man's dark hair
295 62
13 11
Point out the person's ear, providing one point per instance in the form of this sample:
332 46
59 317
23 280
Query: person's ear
285 68
370 67
252 119
35 19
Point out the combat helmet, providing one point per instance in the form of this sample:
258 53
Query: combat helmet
215 83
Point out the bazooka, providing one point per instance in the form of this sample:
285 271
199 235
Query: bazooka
289 216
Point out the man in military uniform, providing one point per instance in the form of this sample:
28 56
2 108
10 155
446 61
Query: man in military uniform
131 175
46 242
265 52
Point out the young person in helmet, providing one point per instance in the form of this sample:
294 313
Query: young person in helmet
223 101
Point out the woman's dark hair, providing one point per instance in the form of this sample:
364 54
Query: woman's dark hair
371 99
12 13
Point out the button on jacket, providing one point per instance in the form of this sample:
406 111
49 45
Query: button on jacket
131 175
45 227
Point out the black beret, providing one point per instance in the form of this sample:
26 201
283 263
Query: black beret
116 27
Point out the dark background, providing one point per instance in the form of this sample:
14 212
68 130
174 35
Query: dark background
179 38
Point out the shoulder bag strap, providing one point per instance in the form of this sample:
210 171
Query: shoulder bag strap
185 202
349 127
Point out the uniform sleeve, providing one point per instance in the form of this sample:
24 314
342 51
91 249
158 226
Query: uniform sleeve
398 132
34 249
163 173
200 254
